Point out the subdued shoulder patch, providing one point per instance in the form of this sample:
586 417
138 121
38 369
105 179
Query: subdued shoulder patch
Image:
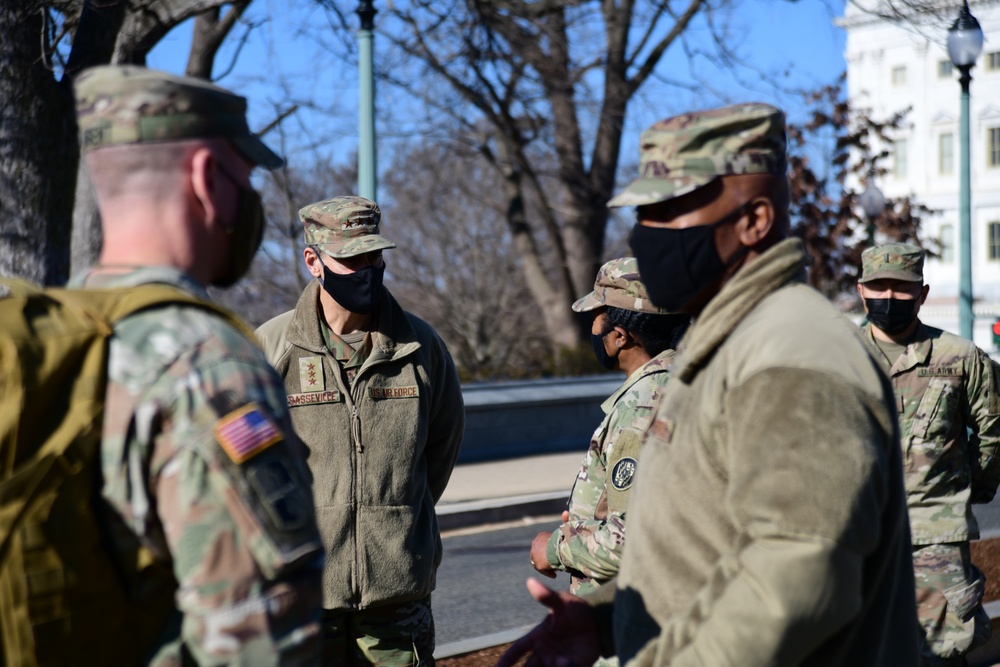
283 499
661 428
623 472
246 432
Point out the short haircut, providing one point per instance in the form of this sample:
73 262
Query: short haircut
152 169
655 333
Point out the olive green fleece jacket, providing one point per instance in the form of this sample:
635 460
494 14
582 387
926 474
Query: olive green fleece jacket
768 522
381 450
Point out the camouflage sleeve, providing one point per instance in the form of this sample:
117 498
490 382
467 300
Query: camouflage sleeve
232 494
591 541
592 548
983 388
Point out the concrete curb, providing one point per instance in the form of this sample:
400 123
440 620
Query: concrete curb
464 646
497 510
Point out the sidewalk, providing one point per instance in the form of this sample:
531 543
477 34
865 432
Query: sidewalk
508 490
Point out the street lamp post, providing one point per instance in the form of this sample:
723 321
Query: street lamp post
965 43
872 202
367 176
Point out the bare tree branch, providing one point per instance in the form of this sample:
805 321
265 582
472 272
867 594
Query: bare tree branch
94 40
209 32
653 59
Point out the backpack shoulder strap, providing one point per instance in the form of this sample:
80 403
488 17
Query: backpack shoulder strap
111 305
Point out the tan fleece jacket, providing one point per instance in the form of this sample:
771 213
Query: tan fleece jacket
381 450
768 522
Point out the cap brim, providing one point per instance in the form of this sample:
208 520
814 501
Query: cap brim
357 246
257 151
905 276
645 191
589 302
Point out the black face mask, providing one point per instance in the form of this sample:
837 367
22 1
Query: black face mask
247 231
677 264
358 292
603 358
891 315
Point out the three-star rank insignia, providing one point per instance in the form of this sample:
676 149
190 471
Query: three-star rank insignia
311 374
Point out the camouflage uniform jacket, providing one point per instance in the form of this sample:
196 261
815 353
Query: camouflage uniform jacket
238 540
590 544
768 523
382 448
949 415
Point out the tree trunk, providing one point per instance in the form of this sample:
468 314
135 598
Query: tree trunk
87 233
38 152
93 44
210 29
553 305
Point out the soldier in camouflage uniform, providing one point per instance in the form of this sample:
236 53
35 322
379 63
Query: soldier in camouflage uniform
949 413
206 496
375 396
589 543
768 523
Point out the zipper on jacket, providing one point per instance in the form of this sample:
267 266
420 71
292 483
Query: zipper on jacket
358 450
356 428
351 403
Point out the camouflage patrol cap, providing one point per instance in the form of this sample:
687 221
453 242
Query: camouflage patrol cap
344 226
895 261
618 286
118 105
681 154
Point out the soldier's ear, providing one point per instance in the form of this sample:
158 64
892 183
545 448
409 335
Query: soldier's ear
759 221
923 293
623 337
202 173
314 264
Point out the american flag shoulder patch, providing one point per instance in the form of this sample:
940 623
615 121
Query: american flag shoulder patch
246 432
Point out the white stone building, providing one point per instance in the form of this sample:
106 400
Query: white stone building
895 65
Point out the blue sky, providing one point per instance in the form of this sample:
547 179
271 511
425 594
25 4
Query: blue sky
782 47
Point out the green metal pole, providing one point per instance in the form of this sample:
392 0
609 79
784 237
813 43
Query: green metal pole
965 315
367 172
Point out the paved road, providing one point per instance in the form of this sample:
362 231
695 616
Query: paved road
480 584
988 517
480 589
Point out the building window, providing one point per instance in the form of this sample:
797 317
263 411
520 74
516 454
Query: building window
944 69
899 75
899 158
993 61
946 155
993 247
947 243
993 147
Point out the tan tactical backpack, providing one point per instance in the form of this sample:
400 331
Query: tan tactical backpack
66 598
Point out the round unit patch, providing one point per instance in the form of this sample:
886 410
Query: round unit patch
622 473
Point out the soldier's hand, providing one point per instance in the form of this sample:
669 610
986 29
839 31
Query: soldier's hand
539 557
565 516
567 637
